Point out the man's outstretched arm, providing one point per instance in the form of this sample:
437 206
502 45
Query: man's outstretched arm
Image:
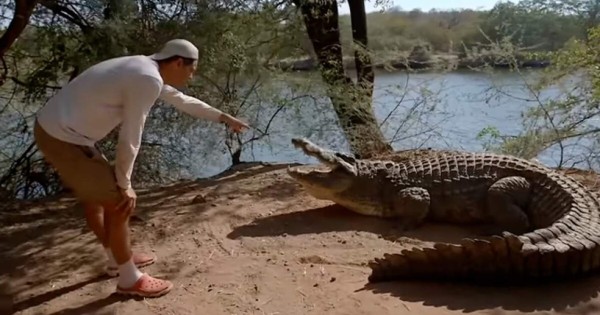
198 108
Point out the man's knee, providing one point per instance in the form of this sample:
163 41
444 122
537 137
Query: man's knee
104 196
98 207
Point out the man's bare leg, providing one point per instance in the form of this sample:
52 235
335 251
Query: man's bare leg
131 279
97 222
117 232
94 215
90 179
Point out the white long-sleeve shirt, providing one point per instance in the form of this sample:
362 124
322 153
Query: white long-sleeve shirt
116 91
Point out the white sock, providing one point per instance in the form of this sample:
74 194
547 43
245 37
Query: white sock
128 274
111 259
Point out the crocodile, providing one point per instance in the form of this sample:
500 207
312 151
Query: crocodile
548 224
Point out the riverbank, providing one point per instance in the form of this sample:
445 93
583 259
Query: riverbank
248 241
402 62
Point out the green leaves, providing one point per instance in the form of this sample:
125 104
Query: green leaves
228 54
567 103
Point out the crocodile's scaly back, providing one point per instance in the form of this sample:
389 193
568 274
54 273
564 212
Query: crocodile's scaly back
563 216
565 242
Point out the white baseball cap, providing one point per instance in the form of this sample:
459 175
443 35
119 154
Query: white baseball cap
177 47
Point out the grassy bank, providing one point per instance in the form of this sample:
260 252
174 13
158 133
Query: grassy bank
436 61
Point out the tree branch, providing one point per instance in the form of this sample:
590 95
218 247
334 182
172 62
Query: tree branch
23 11
70 15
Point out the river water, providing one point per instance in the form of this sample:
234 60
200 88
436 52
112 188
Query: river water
424 109
427 109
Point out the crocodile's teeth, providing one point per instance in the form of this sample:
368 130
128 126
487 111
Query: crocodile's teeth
299 170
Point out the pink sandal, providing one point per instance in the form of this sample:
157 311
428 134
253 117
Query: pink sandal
148 286
140 260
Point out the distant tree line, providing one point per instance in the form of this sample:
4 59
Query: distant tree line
538 26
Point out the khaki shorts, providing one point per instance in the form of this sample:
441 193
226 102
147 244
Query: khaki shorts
82 169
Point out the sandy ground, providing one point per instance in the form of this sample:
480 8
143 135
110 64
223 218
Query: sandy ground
249 242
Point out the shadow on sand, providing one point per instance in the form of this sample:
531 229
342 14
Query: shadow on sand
7 306
97 306
334 218
469 298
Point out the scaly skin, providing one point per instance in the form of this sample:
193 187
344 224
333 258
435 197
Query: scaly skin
548 223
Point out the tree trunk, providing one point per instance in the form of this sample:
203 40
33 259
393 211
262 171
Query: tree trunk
23 11
351 102
362 58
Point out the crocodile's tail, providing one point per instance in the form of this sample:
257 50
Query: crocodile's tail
507 259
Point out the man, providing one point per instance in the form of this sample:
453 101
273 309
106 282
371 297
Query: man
117 91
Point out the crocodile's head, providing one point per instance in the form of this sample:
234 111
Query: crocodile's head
338 176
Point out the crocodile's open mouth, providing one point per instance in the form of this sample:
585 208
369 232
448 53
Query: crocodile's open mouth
332 176
320 181
329 159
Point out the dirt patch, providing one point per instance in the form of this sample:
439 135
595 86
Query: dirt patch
248 242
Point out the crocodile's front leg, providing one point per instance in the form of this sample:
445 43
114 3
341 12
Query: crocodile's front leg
411 205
